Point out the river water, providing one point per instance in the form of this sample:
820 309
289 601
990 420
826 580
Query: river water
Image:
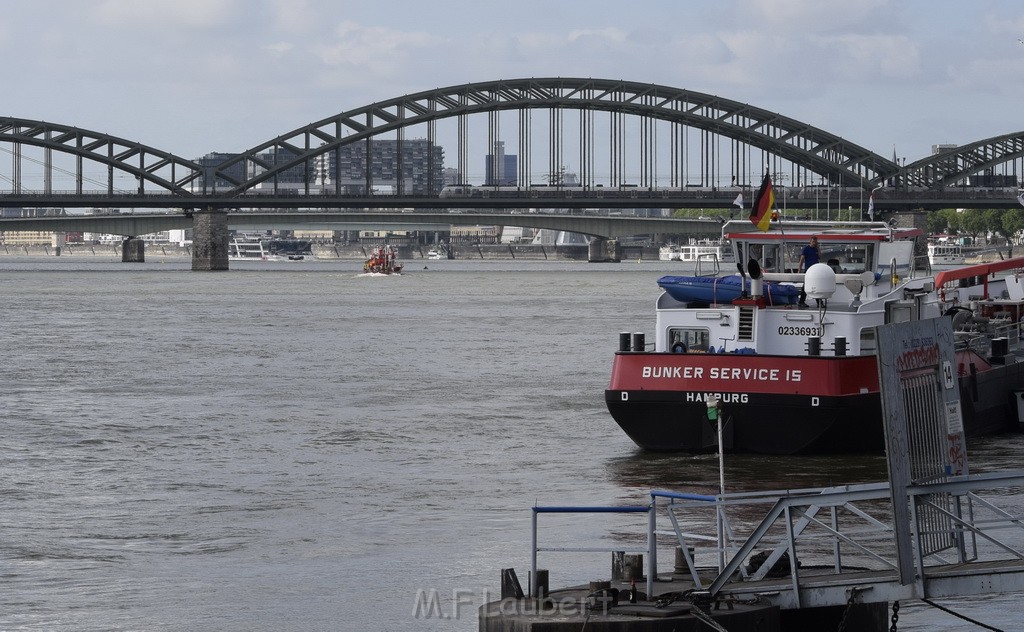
297 446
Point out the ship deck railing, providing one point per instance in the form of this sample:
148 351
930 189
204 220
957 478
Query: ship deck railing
978 335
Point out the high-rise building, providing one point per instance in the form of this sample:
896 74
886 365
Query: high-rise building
500 169
211 161
417 169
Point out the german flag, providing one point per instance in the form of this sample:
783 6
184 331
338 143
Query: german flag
761 211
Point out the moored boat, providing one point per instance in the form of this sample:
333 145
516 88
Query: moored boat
383 260
669 252
290 249
248 247
260 247
697 250
945 254
794 380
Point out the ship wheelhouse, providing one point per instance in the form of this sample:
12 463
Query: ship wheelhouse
869 262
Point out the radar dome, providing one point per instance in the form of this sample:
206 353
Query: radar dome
820 281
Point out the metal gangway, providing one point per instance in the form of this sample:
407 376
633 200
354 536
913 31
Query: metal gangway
836 545
828 546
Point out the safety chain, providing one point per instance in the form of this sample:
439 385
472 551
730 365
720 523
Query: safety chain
895 615
705 618
849 606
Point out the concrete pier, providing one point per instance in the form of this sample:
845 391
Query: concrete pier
210 240
133 250
611 610
676 606
603 251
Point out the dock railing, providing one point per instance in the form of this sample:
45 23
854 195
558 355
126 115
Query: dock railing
845 529
817 546
650 549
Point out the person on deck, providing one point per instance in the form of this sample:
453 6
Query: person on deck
809 256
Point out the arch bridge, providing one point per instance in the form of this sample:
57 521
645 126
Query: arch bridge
629 145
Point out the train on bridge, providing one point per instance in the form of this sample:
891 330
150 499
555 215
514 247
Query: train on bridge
741 195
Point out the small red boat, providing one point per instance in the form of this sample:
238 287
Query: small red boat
383 260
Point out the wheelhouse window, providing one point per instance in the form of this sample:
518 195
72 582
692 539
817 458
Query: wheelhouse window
689 339
842 258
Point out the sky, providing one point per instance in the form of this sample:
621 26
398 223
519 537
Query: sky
195 76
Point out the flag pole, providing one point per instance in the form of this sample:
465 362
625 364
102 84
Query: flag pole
782 231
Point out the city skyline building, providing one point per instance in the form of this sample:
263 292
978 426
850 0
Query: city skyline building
416 168
500 168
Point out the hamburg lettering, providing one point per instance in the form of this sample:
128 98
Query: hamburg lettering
723 398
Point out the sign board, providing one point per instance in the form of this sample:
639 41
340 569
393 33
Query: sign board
924 437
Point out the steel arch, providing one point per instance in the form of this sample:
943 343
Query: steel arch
803 144
114 152
950 166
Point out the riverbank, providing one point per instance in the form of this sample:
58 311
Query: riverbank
349 251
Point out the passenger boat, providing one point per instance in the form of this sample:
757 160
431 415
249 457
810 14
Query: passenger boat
697 250
291 250
669 252
434 253
944 254
383 260
792 380
248 247
259 247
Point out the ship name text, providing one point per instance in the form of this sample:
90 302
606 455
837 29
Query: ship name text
722 373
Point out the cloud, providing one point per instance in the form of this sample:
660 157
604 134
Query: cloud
279 49
890 57
817 16
293 16
608 34
161 13
371 48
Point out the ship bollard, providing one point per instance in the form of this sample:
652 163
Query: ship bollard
540 588
510 587
814 346
1000 348
638 341
623 341
840 345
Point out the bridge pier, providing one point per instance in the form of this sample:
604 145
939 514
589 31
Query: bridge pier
209 240
602 250
133 250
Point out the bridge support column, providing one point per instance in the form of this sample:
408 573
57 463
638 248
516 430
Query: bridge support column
602 250
133 250
209 240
